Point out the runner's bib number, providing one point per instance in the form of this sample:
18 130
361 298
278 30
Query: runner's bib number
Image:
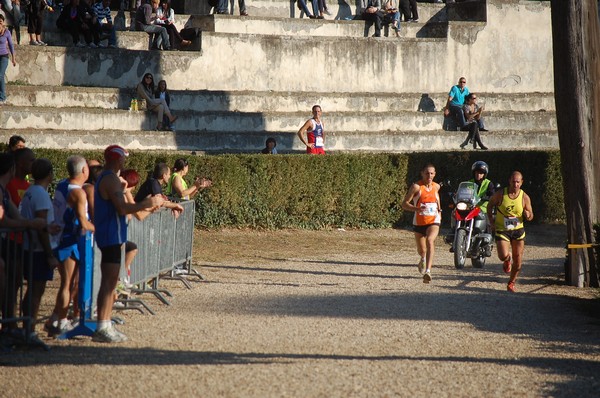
430 209
319 142
511 222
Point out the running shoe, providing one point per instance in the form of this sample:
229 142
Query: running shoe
427 276
511 287
108 335
421 266
507 265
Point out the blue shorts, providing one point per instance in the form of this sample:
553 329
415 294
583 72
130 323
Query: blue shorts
62 253
40 269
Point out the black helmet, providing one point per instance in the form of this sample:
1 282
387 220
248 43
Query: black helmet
482 166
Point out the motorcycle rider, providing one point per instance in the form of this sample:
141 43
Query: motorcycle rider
486 189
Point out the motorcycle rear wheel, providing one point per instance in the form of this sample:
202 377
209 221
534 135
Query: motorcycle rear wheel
460 248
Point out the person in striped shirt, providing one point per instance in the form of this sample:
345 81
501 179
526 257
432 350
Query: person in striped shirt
104 26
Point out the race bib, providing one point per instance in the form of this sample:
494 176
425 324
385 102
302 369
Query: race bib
511 222
319 142
430 209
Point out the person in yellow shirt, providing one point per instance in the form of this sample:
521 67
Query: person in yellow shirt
512 206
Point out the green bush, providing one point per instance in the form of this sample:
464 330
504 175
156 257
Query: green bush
340 190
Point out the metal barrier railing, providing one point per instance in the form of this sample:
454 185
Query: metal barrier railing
18 266
164 243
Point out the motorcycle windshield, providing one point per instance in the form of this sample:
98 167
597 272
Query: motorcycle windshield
467 192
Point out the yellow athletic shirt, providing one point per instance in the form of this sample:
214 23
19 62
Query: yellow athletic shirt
510 212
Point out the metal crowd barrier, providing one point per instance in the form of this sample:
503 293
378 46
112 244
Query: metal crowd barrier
163 243
15 310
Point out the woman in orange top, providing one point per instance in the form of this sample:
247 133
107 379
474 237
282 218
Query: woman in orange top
424 200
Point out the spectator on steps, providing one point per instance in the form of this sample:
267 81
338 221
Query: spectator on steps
302 7
374 14
104 25
409 10
165 16
269 148
144 21
162 93
456 100
242 4
392 16
76 18
35 11
7 54
12 13
145 91
474 122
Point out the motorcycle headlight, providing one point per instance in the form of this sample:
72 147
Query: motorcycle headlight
461 206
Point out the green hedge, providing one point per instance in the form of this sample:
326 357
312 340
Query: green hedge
349 190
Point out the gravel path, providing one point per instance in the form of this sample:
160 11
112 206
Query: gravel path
337 314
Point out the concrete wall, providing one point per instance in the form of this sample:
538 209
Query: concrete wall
504 54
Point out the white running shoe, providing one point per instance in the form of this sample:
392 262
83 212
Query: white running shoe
108 335
427 276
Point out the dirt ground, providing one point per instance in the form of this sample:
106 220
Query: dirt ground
336 314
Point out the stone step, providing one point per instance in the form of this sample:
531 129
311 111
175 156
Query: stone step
310 27
107 119
271 101
232 142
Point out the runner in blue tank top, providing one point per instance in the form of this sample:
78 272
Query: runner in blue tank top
110 209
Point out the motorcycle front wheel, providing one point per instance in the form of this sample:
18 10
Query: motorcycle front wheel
460 248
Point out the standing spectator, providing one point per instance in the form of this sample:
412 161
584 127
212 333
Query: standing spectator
24 158
165 16
474 122
302 7
270 147
513 206
242 4
144 21
35 20
7 53
145 91
36 203
76 18
111 233
15 142
153 187
456 100
423 199
104 23
70 211
12 10
178 188
132 178
315 133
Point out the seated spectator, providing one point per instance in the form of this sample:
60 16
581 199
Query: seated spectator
104 25
392 16
177 187
145 91
144 21
456 100
77 19
374 15
474 122
153 187
165 16
162 93
269 148
15 142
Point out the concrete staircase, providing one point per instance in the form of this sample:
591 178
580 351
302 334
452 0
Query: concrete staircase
248 78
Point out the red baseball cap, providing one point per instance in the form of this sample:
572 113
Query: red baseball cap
115 152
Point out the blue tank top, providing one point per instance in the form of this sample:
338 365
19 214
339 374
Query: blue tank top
111 228
65 215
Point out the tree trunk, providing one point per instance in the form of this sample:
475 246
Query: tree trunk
576 46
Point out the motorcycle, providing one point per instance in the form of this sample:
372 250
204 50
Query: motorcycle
471 238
